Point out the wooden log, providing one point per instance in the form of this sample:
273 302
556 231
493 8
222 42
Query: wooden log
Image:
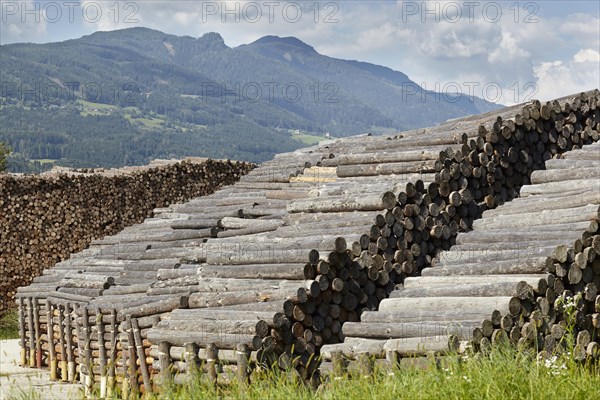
459 290
63 347
52 361
408 167
212 360
339 204
37 333
165 361
351 347
474 254
462 329
421 346
576 214
406 306
561 175
155 307
140 353
515 266
243 327
538 281
87 353
220 313
31 331
113 354
207 299
22 333
503 236
221 340
243 357
555 187
132 360
258 271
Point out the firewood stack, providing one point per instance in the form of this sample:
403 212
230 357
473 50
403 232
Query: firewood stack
267 271
43 219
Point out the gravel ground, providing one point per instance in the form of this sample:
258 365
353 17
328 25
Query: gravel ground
29 383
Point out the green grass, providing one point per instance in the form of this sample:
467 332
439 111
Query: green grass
94 109
99 106
503 374
9 325
309 139
147 123
23 393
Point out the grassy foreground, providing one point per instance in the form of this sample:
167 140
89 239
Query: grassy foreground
503 374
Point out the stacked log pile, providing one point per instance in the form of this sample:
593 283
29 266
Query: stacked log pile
503 281
269 270
153 269
561 312
43 219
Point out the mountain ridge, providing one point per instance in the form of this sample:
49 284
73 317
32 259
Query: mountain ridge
165 90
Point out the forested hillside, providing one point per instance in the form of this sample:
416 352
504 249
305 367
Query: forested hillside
124 97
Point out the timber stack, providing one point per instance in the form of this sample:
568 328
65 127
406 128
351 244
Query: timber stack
44 218
267 271
527 274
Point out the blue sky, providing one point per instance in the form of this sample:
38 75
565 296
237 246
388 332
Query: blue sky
503 51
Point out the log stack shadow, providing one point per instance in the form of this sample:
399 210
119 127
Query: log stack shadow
270 270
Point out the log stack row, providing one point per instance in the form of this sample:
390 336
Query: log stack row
561 312
153 269
43 219
527 274
267 271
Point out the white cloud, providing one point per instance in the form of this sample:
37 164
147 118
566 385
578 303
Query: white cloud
582 26
560 78
22 21
587 55
560 46
508 50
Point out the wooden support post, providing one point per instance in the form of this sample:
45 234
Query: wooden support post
87 351
339 367
212 359
80 347
392 358
434 359
133 375
52 362
71 373
101 353
63 348
191 356
38 339
365 364
243 356
164 359
126 384
32 357
113 354
140 353
23 342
